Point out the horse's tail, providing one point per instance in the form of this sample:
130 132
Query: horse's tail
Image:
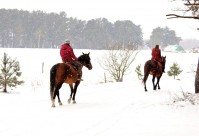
146 71
52 79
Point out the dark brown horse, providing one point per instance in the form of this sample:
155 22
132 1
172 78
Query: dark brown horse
155 69
67 73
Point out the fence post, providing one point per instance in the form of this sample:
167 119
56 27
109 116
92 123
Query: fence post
42 67
105 77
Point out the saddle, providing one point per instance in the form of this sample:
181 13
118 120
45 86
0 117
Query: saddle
76 65
156 66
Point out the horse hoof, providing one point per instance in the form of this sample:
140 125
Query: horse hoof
60 104
74 102
69 100
53 106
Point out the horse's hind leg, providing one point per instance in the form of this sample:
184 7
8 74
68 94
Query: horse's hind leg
153 81
53 99
71 92
56 93
59 101
145 87
144 81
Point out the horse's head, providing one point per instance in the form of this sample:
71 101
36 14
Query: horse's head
85 60
164 59
163 62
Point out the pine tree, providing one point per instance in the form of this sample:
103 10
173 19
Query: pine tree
10 71
138 71
174 70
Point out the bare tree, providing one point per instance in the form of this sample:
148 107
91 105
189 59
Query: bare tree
189 6
118 60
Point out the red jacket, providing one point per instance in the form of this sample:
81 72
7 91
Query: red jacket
156 55
66 53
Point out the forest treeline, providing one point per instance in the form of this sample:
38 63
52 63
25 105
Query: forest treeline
37 29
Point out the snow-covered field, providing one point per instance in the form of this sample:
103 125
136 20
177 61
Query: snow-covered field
111 109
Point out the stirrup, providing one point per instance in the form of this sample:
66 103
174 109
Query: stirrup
80 79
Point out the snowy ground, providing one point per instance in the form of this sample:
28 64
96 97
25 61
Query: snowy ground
111 109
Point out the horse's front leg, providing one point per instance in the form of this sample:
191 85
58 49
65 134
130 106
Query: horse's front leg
74 91
71 92
158 81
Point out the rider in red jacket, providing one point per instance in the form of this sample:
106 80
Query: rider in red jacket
66 52
67 55
156 54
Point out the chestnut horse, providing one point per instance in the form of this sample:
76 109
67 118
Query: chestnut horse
67 73
155 69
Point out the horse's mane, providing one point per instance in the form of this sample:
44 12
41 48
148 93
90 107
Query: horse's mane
83 57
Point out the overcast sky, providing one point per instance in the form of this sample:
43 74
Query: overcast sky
149 14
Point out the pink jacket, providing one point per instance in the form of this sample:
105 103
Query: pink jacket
66 53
